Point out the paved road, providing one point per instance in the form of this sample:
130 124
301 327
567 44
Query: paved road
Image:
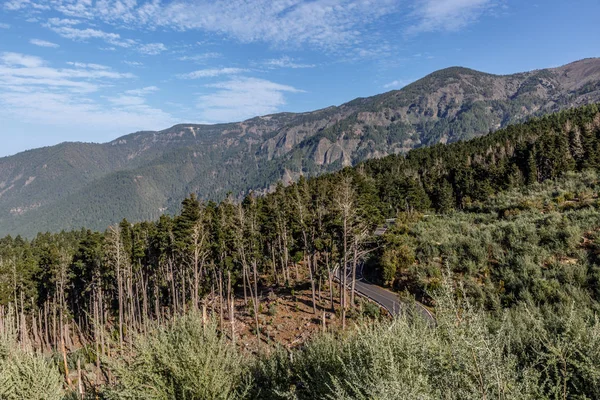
385 298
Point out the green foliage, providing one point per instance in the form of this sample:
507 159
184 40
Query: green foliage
184 360
25 374
518 246
466 355
514 217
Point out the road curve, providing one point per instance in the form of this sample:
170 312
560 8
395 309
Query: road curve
385 298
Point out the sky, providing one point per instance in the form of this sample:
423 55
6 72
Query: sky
94 70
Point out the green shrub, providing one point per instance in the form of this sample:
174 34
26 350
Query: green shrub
25 374
272 309
181 361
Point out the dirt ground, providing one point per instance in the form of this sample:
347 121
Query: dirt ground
286 317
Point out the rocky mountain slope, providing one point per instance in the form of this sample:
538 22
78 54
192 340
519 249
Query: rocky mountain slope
142 175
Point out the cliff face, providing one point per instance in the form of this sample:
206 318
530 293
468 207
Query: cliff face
141 175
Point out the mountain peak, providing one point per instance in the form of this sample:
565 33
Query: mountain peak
141 175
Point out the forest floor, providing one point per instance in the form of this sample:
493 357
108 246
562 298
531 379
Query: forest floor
287 318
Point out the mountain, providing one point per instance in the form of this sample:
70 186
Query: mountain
144 174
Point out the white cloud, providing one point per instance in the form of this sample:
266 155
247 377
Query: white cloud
62 109
447 15
63 21
285 62
22 60
33 73
143 91
127 101
134 63
43 43
4 26
33 91
201 58
211 72
86 65
397 84
152 49
69 32
13 5
324 24
242 98
67 29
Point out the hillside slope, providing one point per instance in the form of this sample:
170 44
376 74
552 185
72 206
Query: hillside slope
142 175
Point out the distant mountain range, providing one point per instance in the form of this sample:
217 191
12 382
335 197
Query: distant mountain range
145 174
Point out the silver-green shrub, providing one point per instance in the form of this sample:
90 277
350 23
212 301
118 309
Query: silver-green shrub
25 374
183 360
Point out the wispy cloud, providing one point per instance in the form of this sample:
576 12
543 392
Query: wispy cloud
43 43
324 24
143 91
201 58
62 109
20 60
77 34
397 84
134 63
4 26
152 49
447 15
285 62
63 21
34 91
30 73
211 73
127 101
69 29
88 65
242 98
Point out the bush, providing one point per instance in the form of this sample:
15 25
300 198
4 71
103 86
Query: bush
370 310
25 374
458 359
181 361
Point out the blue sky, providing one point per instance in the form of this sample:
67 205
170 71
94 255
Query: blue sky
94 70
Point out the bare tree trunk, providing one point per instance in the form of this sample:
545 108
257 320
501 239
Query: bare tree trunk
354 263
55 333
345 204
231 307
79 381
47 328
312 283
221 299
274 271
256 304
244 282
173 292
64 352
196 279
183 294
120 290
330 275
286 256
156 302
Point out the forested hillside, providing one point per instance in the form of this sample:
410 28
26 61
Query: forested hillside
145 174
499 235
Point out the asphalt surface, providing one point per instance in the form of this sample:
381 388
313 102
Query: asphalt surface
385 298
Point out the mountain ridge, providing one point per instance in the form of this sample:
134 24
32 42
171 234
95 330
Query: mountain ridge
145 173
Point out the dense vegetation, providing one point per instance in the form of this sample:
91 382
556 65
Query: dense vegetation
511 218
